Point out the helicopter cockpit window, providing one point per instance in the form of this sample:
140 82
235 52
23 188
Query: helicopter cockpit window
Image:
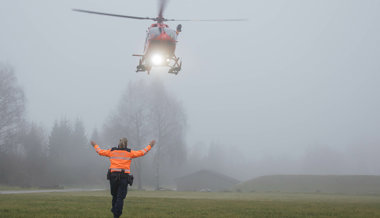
172 33
153 32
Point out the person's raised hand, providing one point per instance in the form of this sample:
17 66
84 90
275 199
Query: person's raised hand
152 143
93 143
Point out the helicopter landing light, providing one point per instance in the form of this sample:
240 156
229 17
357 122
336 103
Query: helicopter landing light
157 59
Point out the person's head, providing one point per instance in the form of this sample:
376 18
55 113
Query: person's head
123 143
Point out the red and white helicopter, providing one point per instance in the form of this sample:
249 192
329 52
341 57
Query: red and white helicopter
160 44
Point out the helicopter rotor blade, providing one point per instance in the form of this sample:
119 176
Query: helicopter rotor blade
209 20
162 8
114 15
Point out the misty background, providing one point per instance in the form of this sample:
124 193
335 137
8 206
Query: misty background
294 90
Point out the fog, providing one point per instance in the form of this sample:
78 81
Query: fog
293 90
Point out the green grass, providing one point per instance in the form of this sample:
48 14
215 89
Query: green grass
19 188
189 204
340 184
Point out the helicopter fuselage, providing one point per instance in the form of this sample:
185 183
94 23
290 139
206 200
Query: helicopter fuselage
160 39
159 49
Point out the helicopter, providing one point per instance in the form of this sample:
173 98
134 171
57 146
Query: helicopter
161 40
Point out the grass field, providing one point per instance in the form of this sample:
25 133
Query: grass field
342 184
189 204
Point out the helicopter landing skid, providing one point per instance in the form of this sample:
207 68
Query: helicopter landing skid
176 67
142 68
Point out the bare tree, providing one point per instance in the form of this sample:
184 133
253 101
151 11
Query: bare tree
11 118
12 106
130 120
168 123
147 110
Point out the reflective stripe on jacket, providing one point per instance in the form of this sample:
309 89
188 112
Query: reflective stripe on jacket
121 159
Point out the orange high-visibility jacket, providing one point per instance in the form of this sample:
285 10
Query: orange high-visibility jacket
121 158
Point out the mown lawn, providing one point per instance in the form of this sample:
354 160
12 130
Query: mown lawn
188 204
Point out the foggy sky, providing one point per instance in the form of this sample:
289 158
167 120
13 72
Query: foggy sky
297 74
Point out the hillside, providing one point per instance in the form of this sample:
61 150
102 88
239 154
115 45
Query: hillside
344 184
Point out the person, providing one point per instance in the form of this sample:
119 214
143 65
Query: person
120 169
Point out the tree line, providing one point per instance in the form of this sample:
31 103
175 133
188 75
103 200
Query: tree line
30 155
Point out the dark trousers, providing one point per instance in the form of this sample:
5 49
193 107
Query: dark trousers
119 189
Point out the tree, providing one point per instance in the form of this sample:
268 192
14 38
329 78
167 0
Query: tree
69 153
33 142
131 119
12 106
168 123
59 139
84 157
147 111
60 157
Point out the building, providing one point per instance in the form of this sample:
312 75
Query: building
205 180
